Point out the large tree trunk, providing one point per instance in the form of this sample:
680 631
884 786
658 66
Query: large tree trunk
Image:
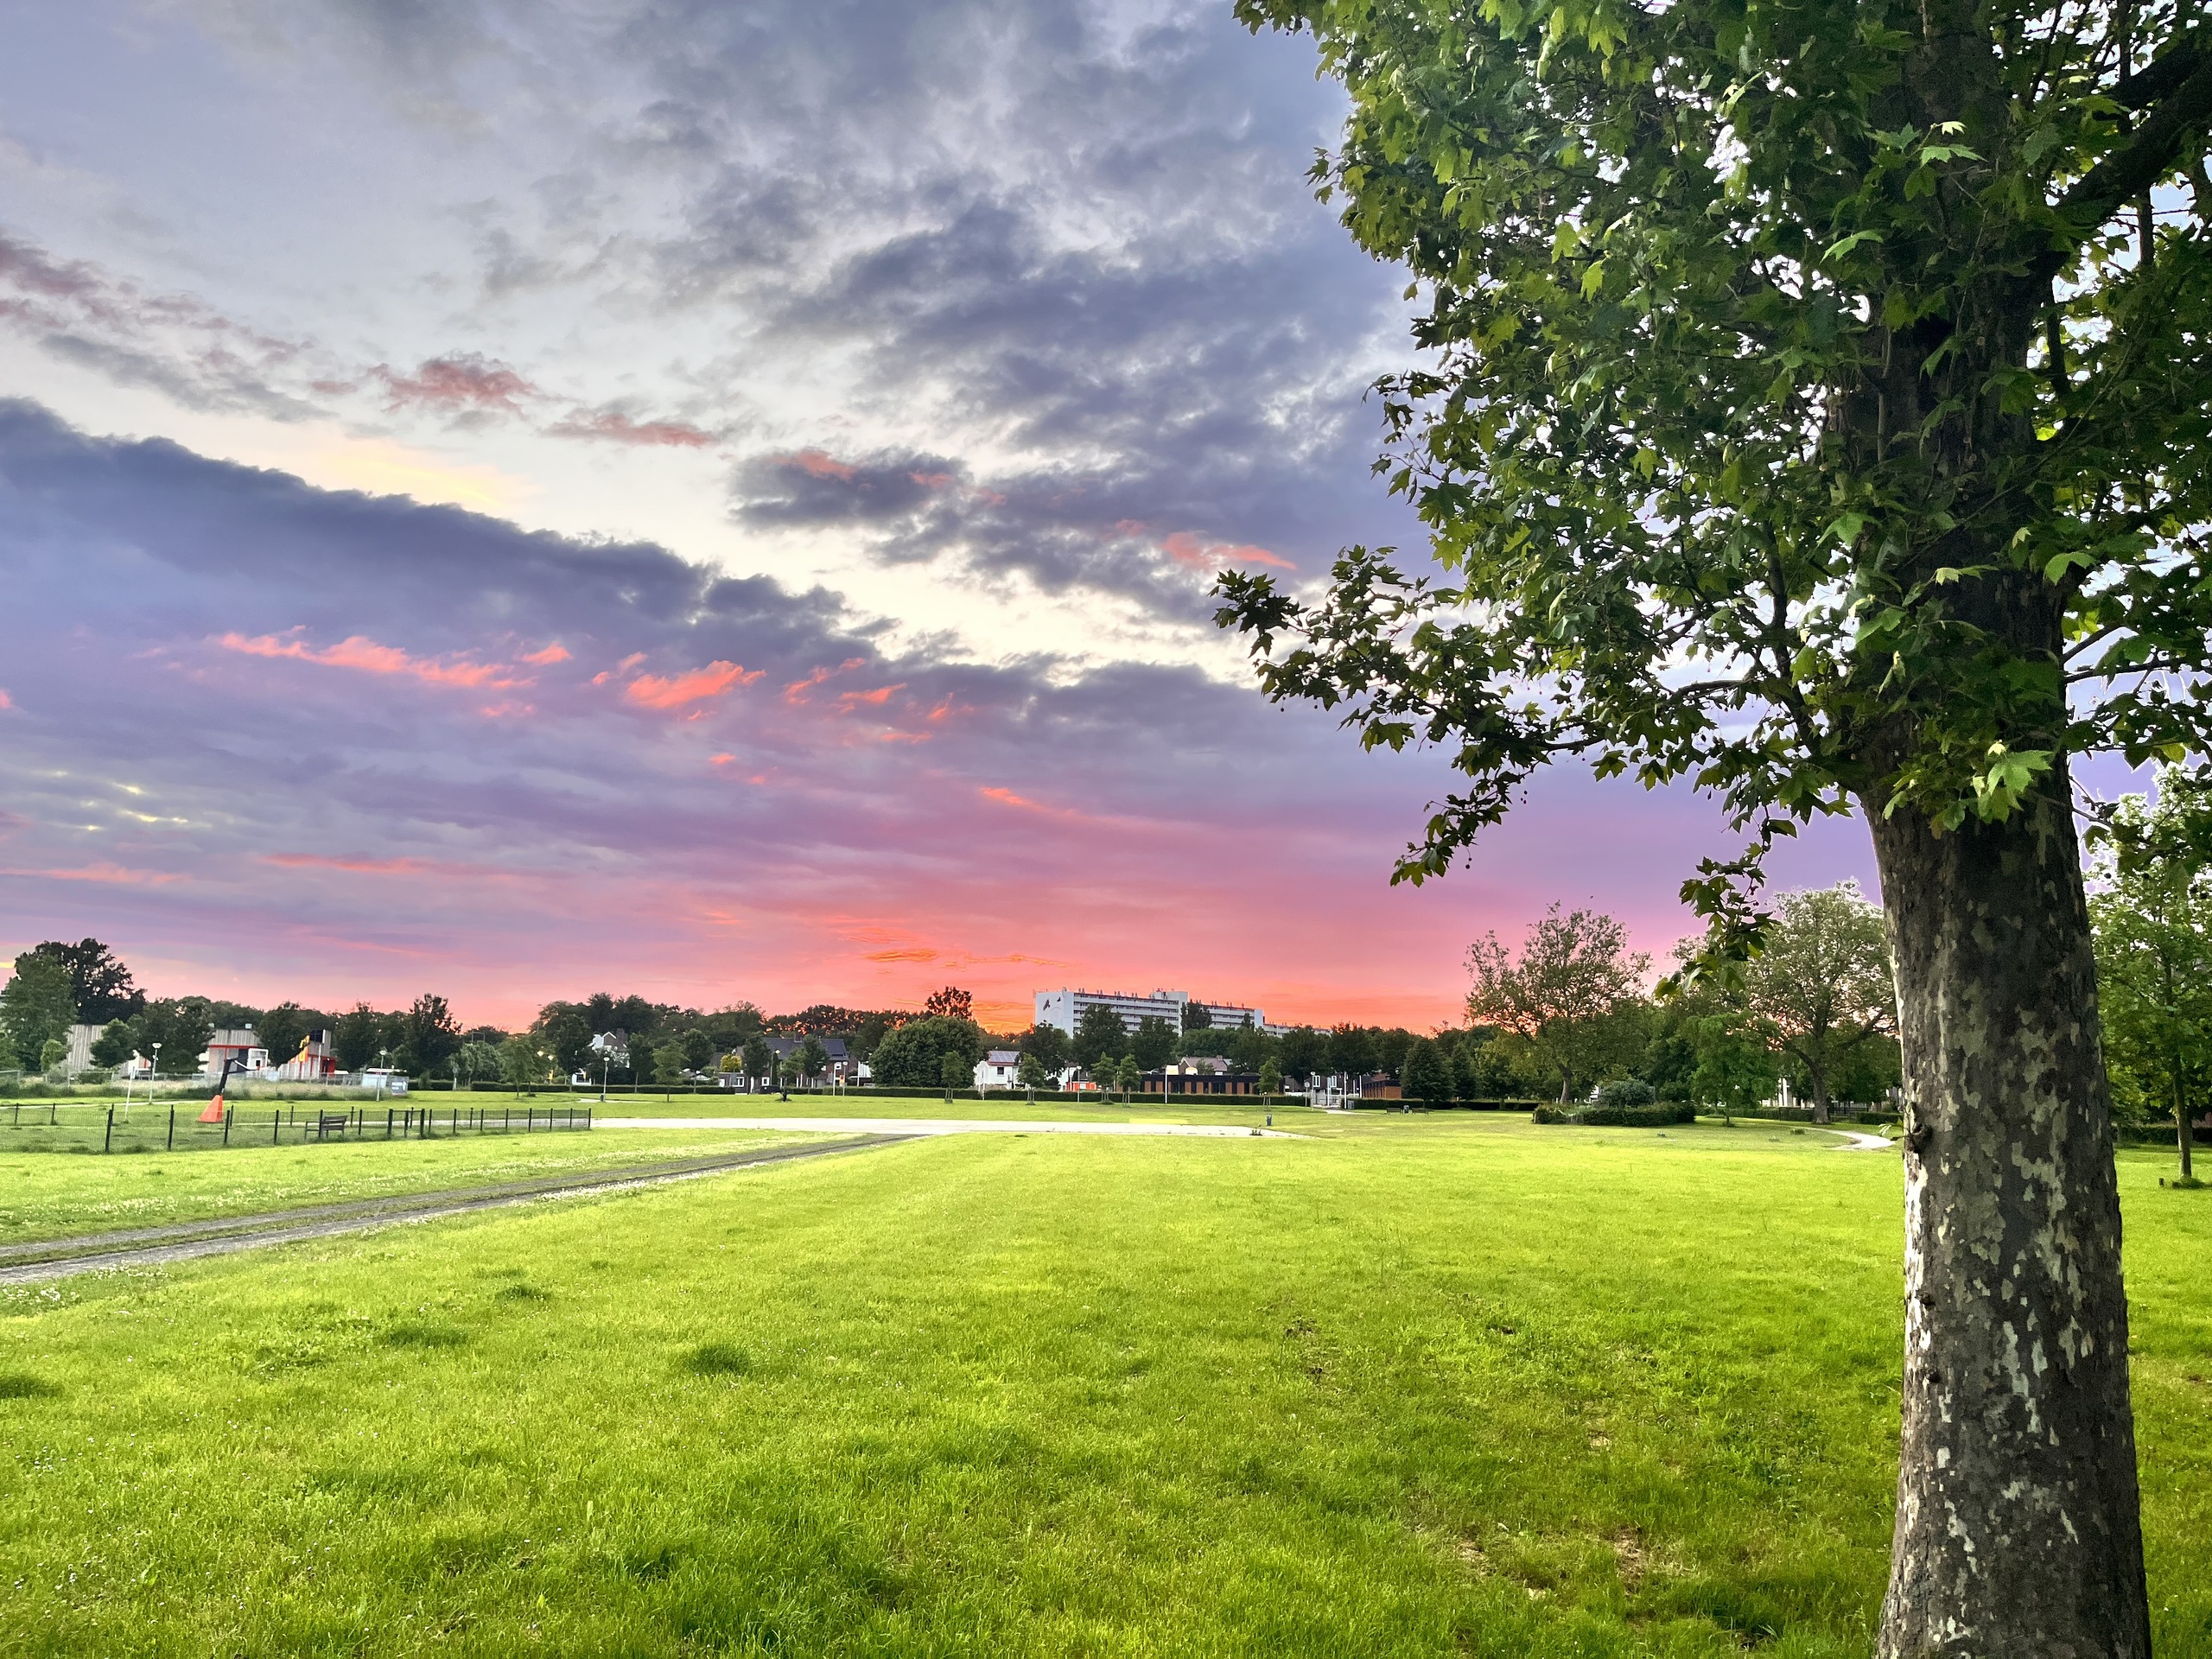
2018 1523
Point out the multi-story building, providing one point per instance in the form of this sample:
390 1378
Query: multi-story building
240 1047
1065 1008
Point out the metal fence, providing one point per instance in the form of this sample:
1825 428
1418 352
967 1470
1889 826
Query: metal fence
66 1126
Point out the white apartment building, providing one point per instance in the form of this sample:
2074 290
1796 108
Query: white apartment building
1065 1007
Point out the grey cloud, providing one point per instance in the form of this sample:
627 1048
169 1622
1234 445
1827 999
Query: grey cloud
1119 264
809 487
170 342
147 559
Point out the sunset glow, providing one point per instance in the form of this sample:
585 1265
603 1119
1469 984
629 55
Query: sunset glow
772 564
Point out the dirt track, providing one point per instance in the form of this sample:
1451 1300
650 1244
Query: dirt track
33 1262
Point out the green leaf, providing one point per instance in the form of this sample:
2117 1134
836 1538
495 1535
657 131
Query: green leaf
1837 250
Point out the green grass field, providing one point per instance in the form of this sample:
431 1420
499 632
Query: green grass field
995 1107
59 1197
1419 1386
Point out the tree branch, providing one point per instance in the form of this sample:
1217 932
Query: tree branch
2157 80
2156 145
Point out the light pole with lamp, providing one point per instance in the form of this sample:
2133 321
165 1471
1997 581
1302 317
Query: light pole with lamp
153 1075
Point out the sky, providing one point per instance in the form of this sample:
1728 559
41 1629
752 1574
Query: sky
713 502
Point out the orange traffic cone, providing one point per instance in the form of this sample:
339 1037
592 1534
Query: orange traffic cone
214 1112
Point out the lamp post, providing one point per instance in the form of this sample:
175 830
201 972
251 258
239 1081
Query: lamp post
383 1071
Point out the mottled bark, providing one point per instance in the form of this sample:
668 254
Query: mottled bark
2017 1524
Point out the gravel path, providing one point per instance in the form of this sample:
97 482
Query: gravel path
33 1262
903 1126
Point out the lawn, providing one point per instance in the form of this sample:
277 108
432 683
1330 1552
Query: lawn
1422 1386
44 1196
993 1107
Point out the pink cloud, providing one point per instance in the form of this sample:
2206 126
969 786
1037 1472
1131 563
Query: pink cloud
613 426
363 864
552 653
796 690
653 691
1007 798
6 702
106 874
1186 549
359 865
849 700
817 464
362 653
458 381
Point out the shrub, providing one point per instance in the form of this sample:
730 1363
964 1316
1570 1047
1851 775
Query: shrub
1626 1091
1646 1114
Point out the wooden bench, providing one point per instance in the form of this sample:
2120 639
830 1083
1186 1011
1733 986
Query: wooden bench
327 1121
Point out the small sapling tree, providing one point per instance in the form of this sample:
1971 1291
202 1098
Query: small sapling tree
813 1059
759 1058
1030 1073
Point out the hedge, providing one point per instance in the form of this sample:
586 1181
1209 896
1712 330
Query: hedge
1658 1114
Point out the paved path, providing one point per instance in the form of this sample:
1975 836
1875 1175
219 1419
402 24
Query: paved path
935 1126
1858 1140
31 1262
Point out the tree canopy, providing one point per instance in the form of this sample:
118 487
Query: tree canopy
913 1056
37 1006
2152 913
1565 995
99 982
1820 983
1100 1035
1762 442
1812 408
1152 1044
950 1004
